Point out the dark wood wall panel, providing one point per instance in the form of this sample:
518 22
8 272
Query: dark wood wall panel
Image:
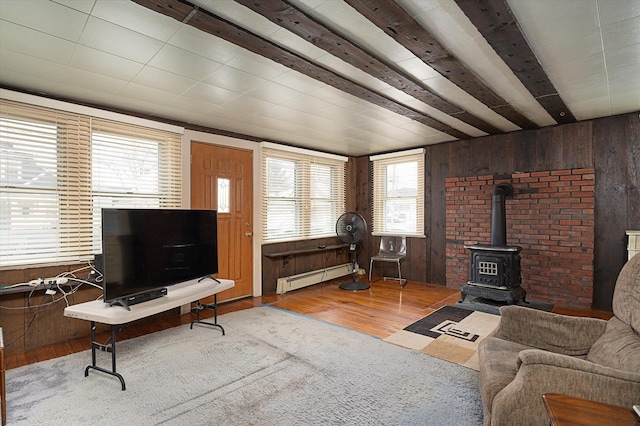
439 163
633 164
616 144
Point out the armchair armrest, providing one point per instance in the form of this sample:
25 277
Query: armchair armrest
577 365
540 372
552 332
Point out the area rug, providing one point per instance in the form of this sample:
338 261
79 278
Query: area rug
449 333
272 368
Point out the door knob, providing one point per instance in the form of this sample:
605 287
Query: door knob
248 233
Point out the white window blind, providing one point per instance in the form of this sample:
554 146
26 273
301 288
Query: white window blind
303 194
58 169
398 193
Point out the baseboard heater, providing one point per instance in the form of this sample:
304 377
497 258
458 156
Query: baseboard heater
295 282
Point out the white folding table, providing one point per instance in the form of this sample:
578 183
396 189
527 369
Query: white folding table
177 295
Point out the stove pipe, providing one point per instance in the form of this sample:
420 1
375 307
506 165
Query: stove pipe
498 215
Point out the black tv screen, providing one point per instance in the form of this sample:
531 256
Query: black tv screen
147 249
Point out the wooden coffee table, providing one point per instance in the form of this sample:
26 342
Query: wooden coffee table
564 410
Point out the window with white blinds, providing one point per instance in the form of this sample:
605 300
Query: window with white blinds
303 193
398 193
58 169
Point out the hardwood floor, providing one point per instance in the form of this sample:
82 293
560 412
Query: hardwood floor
379 311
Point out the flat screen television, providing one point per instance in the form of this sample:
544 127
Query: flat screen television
144 250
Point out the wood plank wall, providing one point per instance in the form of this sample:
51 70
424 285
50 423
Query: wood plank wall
610 145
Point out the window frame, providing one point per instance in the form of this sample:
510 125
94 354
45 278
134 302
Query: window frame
76 214
380 197
302 196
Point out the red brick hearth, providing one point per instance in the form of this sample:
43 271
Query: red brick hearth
551 216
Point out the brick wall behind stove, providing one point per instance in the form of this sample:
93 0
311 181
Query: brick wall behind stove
551 216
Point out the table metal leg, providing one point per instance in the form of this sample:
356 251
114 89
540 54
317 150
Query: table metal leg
105 348
214 306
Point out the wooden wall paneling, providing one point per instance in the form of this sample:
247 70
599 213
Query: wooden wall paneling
524 151
51 326
458 154
577 145
363 202
610 153
502 160
415 265
13 320
633 164
440 162
427 215
548 149
479 158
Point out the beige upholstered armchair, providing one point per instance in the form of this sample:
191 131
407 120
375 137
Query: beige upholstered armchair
533 352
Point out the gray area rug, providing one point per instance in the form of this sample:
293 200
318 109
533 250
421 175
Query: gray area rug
272 368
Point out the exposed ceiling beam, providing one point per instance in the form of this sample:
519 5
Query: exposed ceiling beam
398 24
210 23
300 23
499 27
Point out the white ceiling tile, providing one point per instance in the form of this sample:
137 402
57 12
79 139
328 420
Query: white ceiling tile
210 94
221 111
621 34
204 44
119 41
273 92
128 14
30 65
163 80
624 78
104 63
149 94
626 55
89 96
293 42
577 67
233 79
34 43
248 105
84 6
182 62
617 11
418 69
192 105
257 65
51 18
297 81
89 80
624 102
591 108
37 85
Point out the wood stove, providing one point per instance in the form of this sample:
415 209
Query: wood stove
494 270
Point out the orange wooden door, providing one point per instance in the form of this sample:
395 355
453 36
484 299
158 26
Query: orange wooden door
222 180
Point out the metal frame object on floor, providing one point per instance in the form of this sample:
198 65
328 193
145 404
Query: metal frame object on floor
181 294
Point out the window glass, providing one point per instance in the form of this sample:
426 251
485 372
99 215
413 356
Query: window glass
398 198
58 169
302 195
